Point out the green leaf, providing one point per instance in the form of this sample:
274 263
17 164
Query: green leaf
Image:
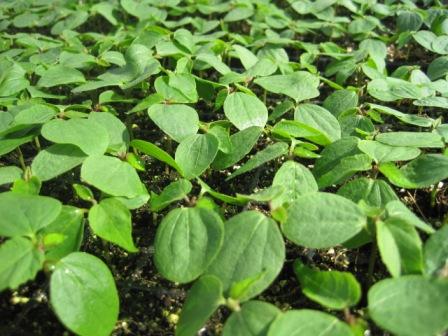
20 261
252 244
253 319
90 136
329 220
397 210
436 252
195 154
244 110
187 241
24 215
400 247
119 137
386 153
332 289
341 101
411 139
178 121
105 9
83 295
204 297
424 171
111 175
56 160
339 161
438 68
70 225
307 322
299 85
60 75
296 179
267 154
404 117
9 174
111 220
321 120
242 143
375 192
12 80
152 150
410 305
175 191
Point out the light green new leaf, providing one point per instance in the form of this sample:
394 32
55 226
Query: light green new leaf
24 215
204 297
111 220
60 75
20 261
178 121
112 176
253 319
410 305
83 295
397 210
322 220
195 154
9 174
296 179
307 322
244 110
332 289
385 153
175 191
253 245
422 172
299 85
267 154
242 143
56 160
87 134
400 247
187 241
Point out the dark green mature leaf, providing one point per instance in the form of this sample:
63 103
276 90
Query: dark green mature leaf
111 175
307 322
339 161
83 295
436 252
341 101
242 143
70 225
333 289
20 261
322 220
111 220
386 153
410 305
253 319
24 215
244 110
296 179
195 154
90 136
400 247
12 80
204 297
119 137
267 154
56 160
175 191
253 245
422 172
178 121
187 241
299 85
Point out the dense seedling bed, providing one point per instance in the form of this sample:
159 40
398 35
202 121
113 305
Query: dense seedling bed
214 167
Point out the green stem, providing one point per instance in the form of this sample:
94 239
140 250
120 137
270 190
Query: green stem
21 159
